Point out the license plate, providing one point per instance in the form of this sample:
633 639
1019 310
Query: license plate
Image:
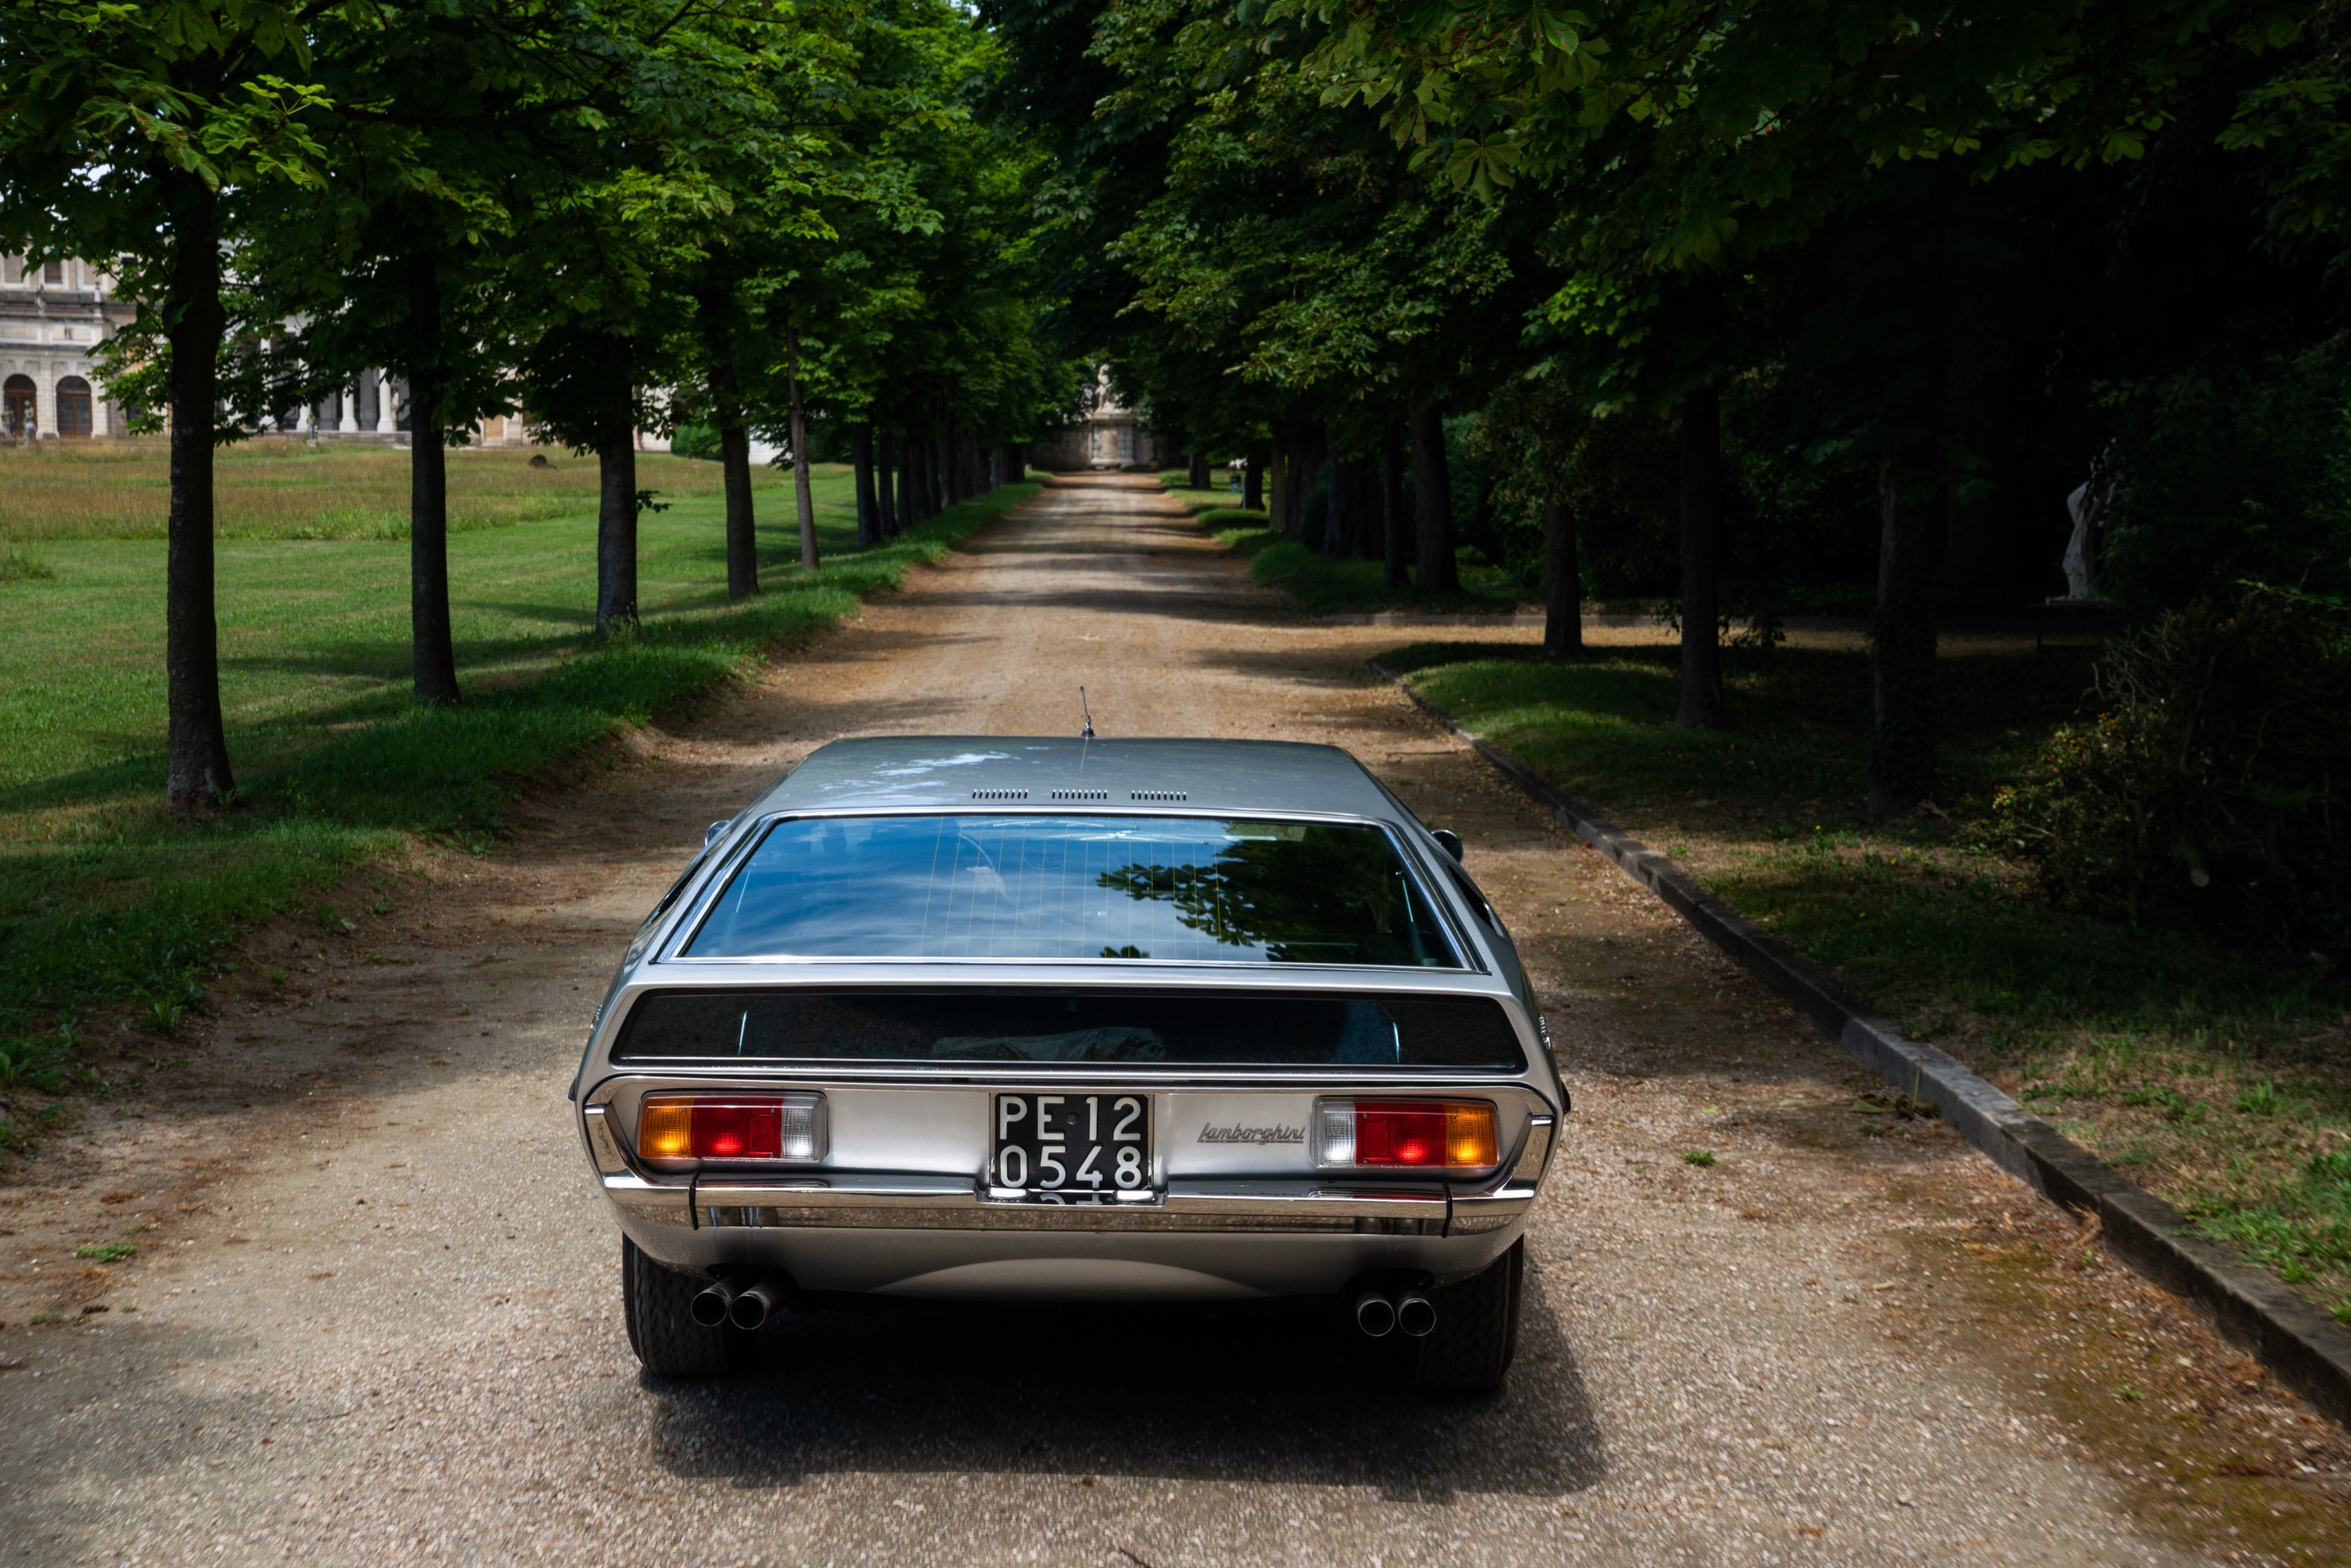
1071 1148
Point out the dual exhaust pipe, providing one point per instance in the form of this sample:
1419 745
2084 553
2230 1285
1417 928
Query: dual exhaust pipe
1412 1314
746 1303
744 1300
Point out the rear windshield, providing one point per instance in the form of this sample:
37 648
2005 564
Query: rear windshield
1185 1028
1187 888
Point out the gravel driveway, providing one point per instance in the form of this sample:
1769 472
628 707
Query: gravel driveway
373 1314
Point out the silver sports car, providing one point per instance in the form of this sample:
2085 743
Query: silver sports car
1043 1019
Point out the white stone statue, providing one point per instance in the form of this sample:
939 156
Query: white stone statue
2086 503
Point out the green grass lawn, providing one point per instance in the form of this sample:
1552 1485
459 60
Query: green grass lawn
276 488
2220 1077
1327 587
108 902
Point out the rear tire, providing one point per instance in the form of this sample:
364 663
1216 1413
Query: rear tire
658 1303
1477 1332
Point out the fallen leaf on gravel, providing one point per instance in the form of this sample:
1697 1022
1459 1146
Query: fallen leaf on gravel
1887 1285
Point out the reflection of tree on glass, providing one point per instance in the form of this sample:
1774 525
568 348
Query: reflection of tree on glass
1307 893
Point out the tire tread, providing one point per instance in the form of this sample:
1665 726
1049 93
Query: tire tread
657 1302
1477 1332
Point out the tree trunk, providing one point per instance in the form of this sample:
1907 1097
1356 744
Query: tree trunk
742 522
1432 502
1701 499
910 481
1354 484
734 447
1253 479
431 652
1563 584
1277 486
1338 519
197 774
616 507
1197 475
861 449
801 497
1914 531
886 497
1305 466
1395 536
1902 631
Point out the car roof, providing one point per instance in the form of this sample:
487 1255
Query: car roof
992 772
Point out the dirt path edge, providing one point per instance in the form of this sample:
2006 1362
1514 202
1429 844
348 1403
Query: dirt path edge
2307 1350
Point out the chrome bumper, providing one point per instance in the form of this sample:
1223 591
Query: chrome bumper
886 1201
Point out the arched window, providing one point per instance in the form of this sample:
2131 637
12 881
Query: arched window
19 402
73 407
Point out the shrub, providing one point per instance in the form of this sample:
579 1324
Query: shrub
18 564
2244 473
2209 790
696 441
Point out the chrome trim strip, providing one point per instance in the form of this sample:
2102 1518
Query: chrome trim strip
1474 1214
1534 1149
885 1201
602 1146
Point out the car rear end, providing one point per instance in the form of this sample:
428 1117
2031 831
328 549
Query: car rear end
990 1049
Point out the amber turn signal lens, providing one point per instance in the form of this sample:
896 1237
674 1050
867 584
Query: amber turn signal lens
666 1130
1469 1136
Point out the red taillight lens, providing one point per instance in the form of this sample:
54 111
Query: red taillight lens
1400 1135
1407 1135
729 1128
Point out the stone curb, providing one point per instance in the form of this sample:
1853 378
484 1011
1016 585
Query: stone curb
2303 1345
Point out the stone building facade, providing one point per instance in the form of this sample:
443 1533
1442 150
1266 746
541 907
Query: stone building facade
53 317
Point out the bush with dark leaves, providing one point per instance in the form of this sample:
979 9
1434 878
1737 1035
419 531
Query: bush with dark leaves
2211 790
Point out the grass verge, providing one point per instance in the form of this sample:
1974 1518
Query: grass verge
276 487
110 906
2220 1077
1326 587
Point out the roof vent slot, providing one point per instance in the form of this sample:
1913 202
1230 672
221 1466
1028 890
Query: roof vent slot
1157 795
999 794
1081 794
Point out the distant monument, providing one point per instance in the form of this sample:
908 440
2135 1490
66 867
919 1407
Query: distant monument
1105 434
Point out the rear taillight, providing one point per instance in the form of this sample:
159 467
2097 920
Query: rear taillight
731 1129
1406 1135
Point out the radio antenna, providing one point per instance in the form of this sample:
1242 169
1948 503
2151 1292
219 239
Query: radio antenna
1087 733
